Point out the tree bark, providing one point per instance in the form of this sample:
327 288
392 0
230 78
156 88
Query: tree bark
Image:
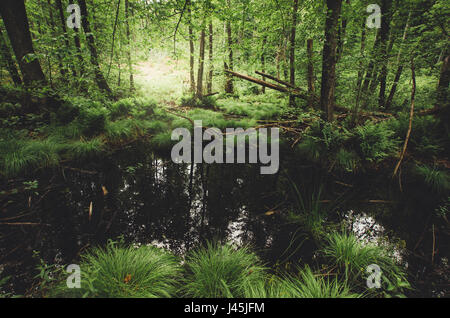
130 64
263 61
360 74
211 64
342 34
398 74
16 23
330 59
386 6
66 38
229 87
310 76
10 64
191 47
62 67
442 99
292 51
99 78
201 62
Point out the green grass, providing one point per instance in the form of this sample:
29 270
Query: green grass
20 155
350 259
437 180
221 271
122 272
310 285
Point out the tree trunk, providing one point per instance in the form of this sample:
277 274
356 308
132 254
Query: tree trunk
77 42
62 67
10 64
130 64
211 65
263 61
16 23
398 74
371 72
292 51
229 79
99 78
442 90
66 38
330 59
310 77
385 29
201 63
360 74
342 34
191 47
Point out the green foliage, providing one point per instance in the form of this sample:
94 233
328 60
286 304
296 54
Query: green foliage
347 160
438 180
425 139
84 149
122 272
309 285
93 120
19 155
193 101
351 258
218 271
375 142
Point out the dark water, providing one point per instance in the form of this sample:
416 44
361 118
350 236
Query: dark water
139 197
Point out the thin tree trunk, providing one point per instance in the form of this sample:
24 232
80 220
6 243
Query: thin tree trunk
229 79
10 64
342 34
62 68
292 51
398 74
330 59
310 76
360 74
16 23
113 38
130 65
211 65
386 6
99 78
63 25
201 62
371 72
442 99
263 61
191 47
79 54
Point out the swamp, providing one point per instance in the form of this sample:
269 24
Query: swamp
349 103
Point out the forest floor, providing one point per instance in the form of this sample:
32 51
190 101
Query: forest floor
162 78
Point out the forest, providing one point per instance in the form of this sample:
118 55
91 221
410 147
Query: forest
92 203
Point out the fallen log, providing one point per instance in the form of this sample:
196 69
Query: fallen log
294 92
259 82
297 91
273 78
211 94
